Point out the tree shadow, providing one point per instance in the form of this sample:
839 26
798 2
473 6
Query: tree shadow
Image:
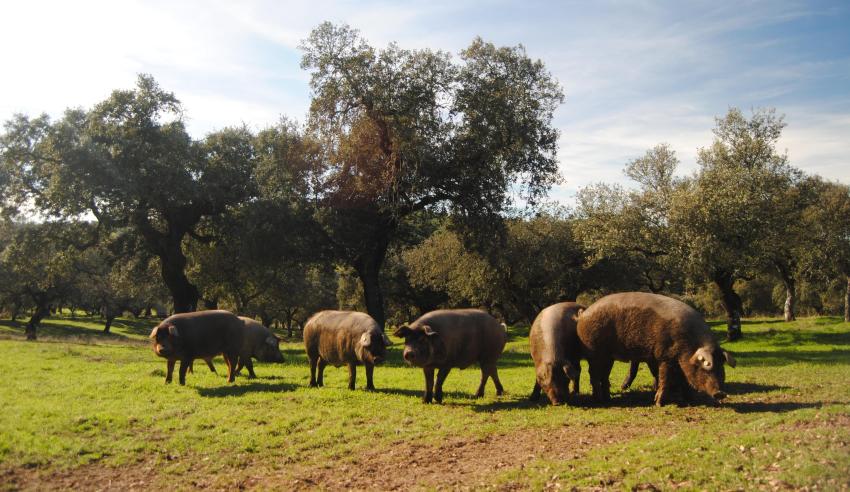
241 389
62 329
136 326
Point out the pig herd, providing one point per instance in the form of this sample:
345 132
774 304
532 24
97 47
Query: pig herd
670 337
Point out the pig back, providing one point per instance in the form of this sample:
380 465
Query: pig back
641 326
333 335
469 336
254 335
553 338
207 333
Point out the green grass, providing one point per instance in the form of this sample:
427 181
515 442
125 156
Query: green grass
82 403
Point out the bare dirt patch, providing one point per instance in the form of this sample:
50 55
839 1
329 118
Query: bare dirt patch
458 463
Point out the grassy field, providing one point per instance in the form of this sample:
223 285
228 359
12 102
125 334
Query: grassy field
85 410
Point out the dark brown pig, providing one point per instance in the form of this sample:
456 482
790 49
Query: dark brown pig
661 331
450 338
258 342
198 335
556 351
344 338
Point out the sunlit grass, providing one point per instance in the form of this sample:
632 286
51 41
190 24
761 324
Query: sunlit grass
77 397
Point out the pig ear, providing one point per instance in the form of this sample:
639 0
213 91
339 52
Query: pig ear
577 314
403 331
365 340
729 359
702 358
429 331
172 330
571 371
153 332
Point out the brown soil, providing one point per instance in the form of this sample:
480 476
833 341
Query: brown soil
457 464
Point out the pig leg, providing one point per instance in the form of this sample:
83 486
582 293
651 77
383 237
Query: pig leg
630 377
666 379
438 386
170 370
314 361
653 368
429 384
184 366
535 393
495 375
191 367
573 371
487 371
231 360
321 380
369 370
600 373
484 375
210 364
352 375
246 362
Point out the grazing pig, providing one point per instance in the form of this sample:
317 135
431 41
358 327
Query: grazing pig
344 338
258 342
198 335
450 338
556 351
667 334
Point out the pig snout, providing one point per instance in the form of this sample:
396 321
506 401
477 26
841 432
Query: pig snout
719 395
162 350
409 355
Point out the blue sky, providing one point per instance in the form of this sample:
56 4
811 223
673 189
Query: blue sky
635 73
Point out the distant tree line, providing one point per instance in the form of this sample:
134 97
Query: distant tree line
417 181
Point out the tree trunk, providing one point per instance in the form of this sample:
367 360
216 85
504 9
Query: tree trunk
368 268
847 301
211 303
266 320
109 319
16 311
184 294
148 311
790 301
41 312
732 304
790 292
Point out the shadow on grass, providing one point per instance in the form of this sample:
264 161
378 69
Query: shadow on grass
744 388
419 394
646 398
786 357
777 407
241 389
70 329
61 328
